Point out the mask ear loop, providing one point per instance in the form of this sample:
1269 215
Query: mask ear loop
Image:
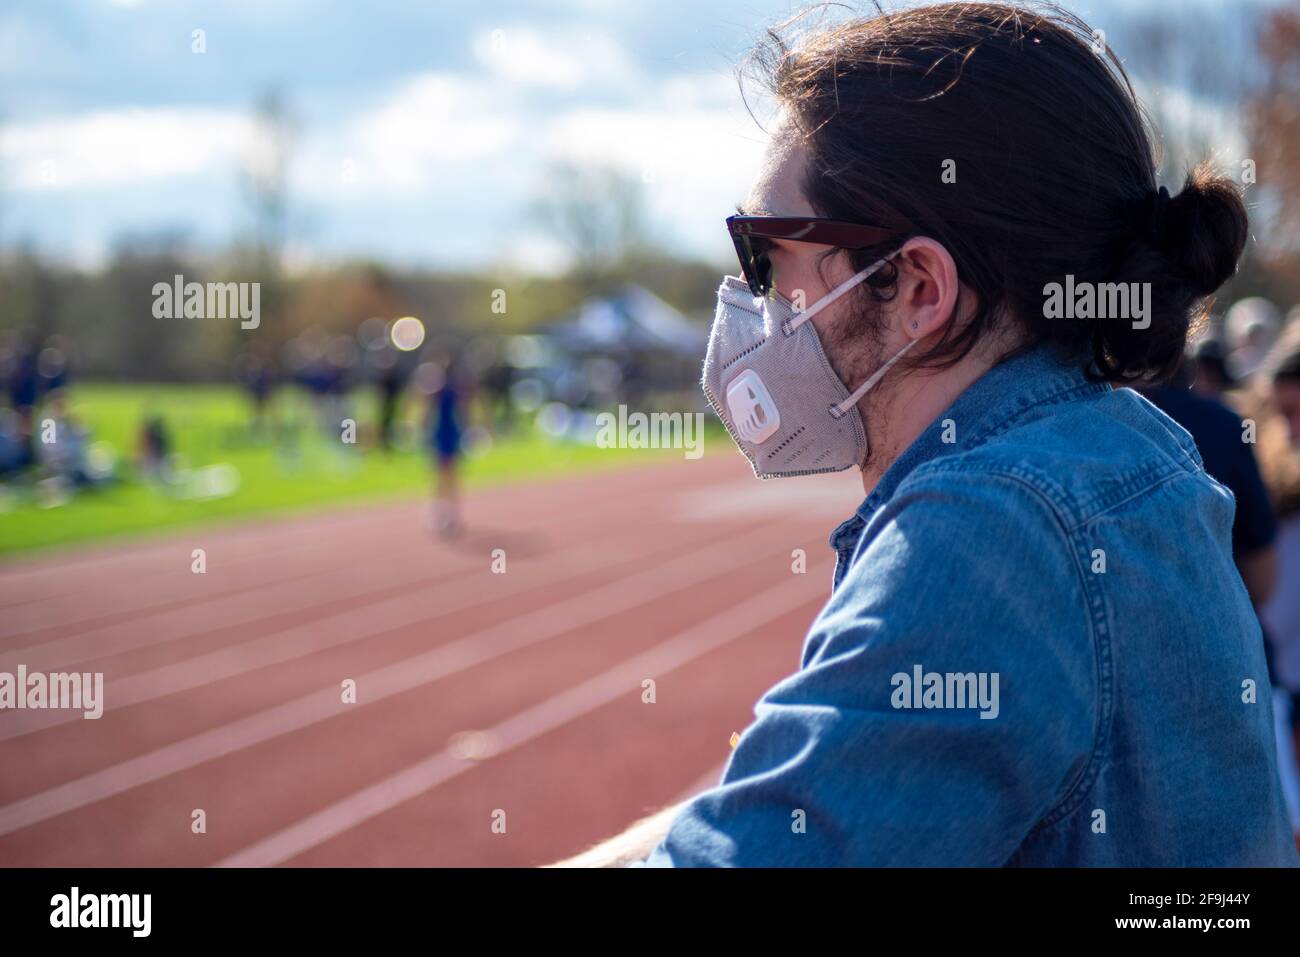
842 408
790 325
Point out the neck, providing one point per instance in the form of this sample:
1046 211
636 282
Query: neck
909 400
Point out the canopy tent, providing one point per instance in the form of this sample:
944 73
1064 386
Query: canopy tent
632 318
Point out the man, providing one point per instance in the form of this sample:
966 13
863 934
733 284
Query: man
1210 376
1037 650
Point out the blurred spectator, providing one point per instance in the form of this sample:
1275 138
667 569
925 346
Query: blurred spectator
52 364
1251 326
62 451
1210 376
498 379
21 366
391 380
15 443
1275 405
325 370
256 374
1280 455
23 378
153 450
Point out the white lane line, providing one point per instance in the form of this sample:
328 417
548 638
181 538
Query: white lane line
494 641
577 702
21 575
242 608
163 588
298 641
35 614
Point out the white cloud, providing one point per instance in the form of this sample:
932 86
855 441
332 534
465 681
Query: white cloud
431 124
469 144
433 117
120 146
654 144
554 59
695 164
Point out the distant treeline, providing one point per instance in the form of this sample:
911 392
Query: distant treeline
106 319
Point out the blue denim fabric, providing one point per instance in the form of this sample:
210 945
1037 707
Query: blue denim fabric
1067 539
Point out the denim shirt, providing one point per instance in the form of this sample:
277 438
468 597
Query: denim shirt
1037 651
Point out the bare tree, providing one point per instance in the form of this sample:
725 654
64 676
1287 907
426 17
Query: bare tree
1192 73
1274 123
596 212
265 176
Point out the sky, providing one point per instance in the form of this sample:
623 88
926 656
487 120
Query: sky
424 127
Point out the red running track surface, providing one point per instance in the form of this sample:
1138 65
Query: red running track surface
478 694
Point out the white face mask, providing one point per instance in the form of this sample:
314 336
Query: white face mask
784 406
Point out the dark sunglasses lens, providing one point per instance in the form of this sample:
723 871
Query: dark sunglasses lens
754 262
763 267
745 253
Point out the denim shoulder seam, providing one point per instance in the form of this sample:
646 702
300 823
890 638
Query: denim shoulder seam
1075 512
1063 505
1134 490
1043 490
1053 397
1192 455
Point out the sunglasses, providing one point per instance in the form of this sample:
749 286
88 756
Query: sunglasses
753 237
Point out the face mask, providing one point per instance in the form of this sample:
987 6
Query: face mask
783 405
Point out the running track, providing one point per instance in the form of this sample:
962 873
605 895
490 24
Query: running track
477 693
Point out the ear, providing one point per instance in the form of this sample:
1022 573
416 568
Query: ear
927 287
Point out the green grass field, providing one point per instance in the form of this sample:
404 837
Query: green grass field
209 426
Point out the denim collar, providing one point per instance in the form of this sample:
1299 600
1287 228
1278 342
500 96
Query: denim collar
1041 373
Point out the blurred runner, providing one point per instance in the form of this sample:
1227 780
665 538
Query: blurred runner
445 438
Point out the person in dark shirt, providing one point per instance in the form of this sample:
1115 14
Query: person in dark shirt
391 381
1220 435
1211 376
1229 457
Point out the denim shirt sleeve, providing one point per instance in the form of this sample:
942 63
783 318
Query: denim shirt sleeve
960 572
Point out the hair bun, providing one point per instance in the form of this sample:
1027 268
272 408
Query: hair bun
1185 250
1205 229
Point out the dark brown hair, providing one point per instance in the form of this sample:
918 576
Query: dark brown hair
1054 170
